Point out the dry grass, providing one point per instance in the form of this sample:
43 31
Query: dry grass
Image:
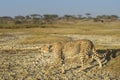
43 39
74 28
50 32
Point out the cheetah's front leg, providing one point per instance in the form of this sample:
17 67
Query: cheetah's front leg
98 60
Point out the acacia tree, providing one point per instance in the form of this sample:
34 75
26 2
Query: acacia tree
107 17
50 18
80 17
88 15
114 17
35 18
69 17
19 19
5 19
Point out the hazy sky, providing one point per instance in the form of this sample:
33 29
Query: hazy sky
60 7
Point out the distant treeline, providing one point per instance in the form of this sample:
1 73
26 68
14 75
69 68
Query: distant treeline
36 20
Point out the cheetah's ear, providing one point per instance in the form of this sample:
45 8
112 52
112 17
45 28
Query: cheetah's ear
50 47
109 50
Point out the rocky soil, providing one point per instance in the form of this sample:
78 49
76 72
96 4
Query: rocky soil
32 65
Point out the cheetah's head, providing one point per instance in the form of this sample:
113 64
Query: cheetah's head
46 48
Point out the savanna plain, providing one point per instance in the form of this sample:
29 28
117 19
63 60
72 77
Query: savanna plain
21 59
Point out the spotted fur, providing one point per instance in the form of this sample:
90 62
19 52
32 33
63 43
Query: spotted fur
83 48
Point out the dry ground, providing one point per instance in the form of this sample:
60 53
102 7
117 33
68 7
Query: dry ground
20 57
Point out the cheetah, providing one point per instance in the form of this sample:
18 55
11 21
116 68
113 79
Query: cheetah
83 48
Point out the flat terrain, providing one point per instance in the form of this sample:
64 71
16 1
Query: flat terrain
21 59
